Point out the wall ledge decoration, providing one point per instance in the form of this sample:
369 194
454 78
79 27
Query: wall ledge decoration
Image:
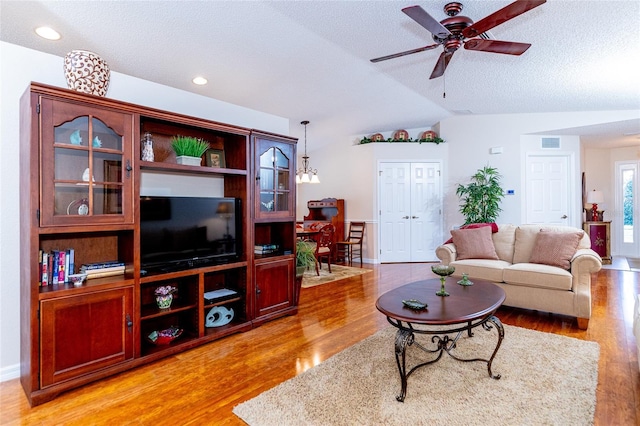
377 138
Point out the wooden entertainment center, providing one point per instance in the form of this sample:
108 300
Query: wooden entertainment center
80 180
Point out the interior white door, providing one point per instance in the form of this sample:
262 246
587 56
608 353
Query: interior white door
410 211
395 212
547 189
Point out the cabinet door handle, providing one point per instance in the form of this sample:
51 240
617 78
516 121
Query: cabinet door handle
414 217
405 217
564 216
128 168
258 291
129 323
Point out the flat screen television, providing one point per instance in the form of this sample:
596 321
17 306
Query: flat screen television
187 232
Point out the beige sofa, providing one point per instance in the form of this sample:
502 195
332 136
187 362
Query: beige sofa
533 285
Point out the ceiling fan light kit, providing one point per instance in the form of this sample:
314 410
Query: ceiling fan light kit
455 31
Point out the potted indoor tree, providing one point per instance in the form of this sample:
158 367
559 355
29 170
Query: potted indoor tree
188 149
480 199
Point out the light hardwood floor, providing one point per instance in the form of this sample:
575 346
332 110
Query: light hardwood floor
201 386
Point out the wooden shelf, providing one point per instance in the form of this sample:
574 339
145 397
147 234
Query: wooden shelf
180 168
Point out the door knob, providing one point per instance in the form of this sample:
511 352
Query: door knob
564 216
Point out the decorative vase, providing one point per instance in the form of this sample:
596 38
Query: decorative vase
188 161
147 147
86 72
164 301
444 272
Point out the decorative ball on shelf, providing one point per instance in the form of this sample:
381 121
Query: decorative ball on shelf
401 135
429 135
86 72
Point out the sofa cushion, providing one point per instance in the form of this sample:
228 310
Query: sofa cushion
474 243
481 269
523 246
526 238
494 228
536 275
555 248
504 240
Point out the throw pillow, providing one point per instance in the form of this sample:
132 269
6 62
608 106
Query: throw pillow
555 248
494 228
474 243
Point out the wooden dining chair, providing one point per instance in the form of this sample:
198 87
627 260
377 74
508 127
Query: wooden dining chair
352 246
324 246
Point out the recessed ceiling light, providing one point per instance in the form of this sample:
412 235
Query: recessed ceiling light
48 33
199 81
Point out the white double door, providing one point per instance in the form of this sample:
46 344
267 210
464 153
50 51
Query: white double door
410 209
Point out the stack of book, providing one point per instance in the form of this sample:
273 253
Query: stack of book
265 249
56 266
102 269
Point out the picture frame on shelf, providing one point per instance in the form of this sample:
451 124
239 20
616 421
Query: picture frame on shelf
215 158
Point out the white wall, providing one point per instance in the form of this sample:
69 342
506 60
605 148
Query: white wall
20 66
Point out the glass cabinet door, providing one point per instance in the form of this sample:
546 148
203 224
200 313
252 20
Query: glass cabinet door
275 179
90 177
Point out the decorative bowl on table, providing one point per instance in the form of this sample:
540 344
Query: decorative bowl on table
444 271
77 279
164 337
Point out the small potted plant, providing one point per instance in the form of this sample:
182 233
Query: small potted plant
164 296
305 258
188 149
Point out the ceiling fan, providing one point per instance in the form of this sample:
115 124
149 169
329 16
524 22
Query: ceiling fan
458 30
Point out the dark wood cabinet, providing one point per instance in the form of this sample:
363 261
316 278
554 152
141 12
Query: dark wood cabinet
81 176
275 159
274 226
327 211
87 178
599 234
274 291
84 333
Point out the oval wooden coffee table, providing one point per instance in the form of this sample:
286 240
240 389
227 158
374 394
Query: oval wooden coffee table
466 308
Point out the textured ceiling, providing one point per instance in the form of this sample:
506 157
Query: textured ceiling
309 60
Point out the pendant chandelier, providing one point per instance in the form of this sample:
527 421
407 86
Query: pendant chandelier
306 174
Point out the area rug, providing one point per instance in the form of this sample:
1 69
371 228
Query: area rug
634 264
338 272
547 379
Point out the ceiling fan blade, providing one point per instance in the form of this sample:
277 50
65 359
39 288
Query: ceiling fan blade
508 12
434 26
408 52
497 46
441 65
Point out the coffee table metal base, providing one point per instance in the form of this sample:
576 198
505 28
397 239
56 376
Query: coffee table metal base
405 336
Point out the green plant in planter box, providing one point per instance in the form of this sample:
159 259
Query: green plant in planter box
480 199
305 256
189 146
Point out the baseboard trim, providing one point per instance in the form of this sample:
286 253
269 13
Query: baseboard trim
9 373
